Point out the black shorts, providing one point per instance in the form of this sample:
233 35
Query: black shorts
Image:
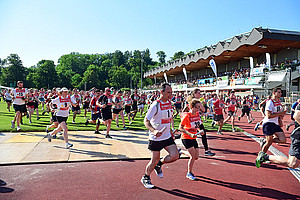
245 111
61 119
295 148
86 105
159 145
106 113
218 117
117 111
127 109
96 116
231 113
54 118
35 104
178 106
8 101
188 143
205 107
76 108
21 108
134 106
270 128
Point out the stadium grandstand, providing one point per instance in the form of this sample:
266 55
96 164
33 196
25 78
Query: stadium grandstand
250 63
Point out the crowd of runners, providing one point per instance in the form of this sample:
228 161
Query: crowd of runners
161 108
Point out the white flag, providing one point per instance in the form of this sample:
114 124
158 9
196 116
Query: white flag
251 63
165 75
268 58
185 74
213 66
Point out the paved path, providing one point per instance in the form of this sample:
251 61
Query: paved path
231 174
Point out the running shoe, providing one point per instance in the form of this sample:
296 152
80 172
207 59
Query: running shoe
262 142
239 118
213 123
18 128
260 159
130 122
49 135
97 132
73 122
125 128
108 136
54 136
38 118
287 127
256 126
47 129
158 171
87 122
209 153
30 122
44 113
233 130
250 121
219 133
147 182
179 152
68 145
191 176
12 125
59 133
117 126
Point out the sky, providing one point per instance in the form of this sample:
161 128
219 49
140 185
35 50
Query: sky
44 29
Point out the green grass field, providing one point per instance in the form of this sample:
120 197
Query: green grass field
40 125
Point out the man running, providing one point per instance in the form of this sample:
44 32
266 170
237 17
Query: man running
218 107
76 108
95 110
271 124
105 103
232 108
157 121
294 153
19 96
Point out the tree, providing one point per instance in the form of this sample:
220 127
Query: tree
161 56
118 76
177 55
12 71
95 76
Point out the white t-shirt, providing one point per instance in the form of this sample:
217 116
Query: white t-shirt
160 118
76 99
274 107
63 105
18 94
7 96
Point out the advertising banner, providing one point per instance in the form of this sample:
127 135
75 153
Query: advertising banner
257 71
252 80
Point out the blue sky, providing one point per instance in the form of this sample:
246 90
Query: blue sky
44 29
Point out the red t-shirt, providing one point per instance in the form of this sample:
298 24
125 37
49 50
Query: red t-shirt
190 123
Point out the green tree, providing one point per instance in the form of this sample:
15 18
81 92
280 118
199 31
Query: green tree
95 76
161 56
45 75
13 70
178 55
118 76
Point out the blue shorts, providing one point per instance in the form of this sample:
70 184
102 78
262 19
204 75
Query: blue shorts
96 116
270 128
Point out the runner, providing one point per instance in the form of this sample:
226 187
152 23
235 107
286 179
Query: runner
86 103
294 106
118 109
63 103
177 99
232 109
8 99
19 96
42 97
128 103
218 107
190 125
294 153
30 103
105 103
271 123
157 121
36 103
76 108
135 98
246 109
53 108
95 110
141 104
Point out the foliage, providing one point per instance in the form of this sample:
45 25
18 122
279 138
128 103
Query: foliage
177 55
161 56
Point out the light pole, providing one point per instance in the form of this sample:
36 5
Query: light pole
142 60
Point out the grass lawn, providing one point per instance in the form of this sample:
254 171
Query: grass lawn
40 125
